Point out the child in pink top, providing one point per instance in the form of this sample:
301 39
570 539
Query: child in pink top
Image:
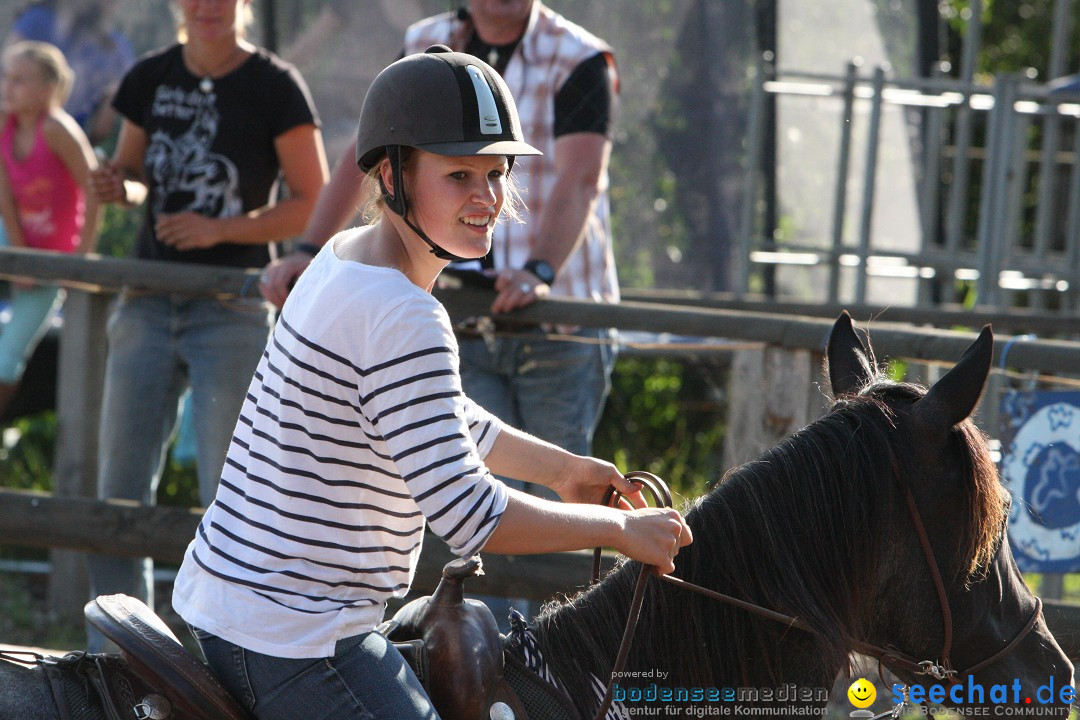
44 176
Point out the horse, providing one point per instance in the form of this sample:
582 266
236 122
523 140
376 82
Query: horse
880 525
879 529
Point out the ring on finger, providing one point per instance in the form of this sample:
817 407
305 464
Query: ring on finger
525 287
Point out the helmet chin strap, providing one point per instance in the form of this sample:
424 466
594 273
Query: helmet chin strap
400 205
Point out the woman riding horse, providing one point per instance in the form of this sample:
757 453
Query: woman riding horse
356 434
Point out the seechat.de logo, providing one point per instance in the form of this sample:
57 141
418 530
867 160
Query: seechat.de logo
973 693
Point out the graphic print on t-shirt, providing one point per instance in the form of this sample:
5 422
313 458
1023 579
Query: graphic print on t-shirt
189 177
38 221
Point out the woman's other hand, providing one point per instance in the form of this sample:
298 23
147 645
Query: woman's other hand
107 184
279 276
187 231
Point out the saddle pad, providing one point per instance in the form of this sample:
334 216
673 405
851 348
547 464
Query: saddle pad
541 699
154 653
98 686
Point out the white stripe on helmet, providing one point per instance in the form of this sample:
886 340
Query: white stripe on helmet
485 103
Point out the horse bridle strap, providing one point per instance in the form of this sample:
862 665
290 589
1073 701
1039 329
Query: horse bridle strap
662 497
943 669
890 657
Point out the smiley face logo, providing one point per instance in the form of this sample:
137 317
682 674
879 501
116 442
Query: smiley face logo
862 693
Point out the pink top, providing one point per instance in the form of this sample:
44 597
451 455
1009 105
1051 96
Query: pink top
52 206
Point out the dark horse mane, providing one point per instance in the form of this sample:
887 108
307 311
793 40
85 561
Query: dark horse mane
793 531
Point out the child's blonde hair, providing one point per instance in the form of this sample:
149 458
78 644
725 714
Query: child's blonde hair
50 61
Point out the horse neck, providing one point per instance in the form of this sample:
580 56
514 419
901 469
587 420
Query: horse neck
685 639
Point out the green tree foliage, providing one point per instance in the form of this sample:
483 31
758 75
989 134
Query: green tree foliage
118 230
26 454
667 417
26 462
1016 36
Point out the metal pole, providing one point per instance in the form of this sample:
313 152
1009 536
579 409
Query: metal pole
1046 211
930 189
754 148
843 166
957 213
767 12
1014 183
990 237
1072 228
1059 42
972 42
984 232
869 184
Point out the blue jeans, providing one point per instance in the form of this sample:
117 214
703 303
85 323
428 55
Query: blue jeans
31 311
553 389
158 345
366 679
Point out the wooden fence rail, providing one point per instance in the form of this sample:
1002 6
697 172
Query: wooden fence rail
784 328
1016 320
126 528
92 281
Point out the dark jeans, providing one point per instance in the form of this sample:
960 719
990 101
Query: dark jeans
366 679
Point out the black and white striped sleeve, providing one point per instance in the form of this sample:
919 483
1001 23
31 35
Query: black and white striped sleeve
435 437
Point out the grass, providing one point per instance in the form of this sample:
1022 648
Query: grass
1070 591
25 621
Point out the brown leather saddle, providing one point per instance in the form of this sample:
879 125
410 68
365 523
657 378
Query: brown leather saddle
461 649
452 643
155 655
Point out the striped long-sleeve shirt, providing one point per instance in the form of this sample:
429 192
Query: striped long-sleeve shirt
354 433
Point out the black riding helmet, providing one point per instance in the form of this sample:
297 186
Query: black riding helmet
444 102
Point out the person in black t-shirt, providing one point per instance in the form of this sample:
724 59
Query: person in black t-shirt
208 126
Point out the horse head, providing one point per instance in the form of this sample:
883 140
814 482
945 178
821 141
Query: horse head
947 591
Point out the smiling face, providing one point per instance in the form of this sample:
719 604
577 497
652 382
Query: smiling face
456 200
862 693
210 20
507 11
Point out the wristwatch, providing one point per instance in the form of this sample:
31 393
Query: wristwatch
542 270
307 249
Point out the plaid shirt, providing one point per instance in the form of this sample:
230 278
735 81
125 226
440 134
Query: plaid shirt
551 48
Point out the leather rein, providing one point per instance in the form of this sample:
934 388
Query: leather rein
889 657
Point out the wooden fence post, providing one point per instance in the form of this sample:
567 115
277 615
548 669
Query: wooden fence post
80 373
772 392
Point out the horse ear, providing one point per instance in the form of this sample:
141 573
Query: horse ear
850 365
953 398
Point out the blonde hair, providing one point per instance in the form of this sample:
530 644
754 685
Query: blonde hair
374 204
51 63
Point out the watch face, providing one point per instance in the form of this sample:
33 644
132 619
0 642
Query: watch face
542 270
